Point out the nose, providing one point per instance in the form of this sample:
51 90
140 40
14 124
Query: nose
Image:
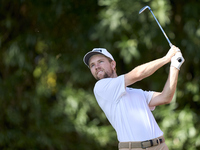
97 66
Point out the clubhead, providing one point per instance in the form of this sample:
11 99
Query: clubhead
143 9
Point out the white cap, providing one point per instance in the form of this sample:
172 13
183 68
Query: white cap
95 51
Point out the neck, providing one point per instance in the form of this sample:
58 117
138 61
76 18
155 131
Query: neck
114 75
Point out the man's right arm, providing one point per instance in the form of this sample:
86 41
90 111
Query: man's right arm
149 68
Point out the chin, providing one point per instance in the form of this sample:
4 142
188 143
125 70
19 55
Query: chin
100 77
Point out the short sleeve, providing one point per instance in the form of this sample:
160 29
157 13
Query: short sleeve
148 96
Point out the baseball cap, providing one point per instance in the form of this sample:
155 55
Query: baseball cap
95 51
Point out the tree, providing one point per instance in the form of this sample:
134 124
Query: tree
46 98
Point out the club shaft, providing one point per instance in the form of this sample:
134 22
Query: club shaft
170 44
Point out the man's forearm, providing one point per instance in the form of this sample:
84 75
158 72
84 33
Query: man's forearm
170 86
165 97
144 70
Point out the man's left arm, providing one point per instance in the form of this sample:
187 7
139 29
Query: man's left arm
169 89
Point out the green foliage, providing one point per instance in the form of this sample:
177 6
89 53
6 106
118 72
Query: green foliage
46 98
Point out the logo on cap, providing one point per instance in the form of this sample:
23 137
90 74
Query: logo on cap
97 50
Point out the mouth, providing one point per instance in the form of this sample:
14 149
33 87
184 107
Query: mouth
99 71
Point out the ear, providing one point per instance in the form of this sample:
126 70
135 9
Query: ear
113 64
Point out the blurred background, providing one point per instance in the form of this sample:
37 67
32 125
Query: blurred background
46 91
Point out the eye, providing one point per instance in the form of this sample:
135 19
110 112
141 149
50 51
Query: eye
92 65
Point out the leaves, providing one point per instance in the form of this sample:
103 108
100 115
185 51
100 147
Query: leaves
46 98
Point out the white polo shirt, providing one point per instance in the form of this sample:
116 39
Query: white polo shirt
127 110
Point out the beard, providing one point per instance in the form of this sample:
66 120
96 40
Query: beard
106 75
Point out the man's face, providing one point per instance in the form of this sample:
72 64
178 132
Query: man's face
100 67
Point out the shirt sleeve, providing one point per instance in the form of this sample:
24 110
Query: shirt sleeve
110 89
148 96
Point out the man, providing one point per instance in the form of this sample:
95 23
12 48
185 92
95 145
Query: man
128 109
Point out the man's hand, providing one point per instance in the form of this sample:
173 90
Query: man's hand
147 69
172 51
177 60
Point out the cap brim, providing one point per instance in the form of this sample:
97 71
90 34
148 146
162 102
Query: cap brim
88 56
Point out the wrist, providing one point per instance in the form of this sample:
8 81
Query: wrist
174 68
166 59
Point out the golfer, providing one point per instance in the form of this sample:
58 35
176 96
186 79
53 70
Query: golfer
128 109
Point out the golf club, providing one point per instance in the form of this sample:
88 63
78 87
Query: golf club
145 7
170 44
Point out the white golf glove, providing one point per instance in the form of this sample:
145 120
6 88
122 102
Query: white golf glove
177 60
